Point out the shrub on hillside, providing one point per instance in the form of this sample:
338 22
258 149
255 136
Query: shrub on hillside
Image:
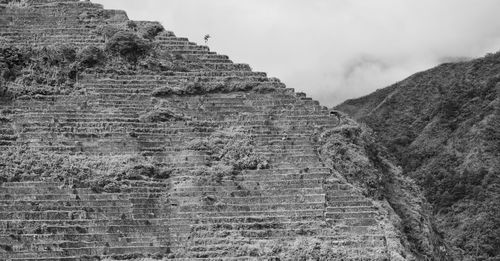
66 52
12 60
131 25
91 56
151 31
127 45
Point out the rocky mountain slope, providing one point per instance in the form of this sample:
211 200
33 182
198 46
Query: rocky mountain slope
122 141
443 125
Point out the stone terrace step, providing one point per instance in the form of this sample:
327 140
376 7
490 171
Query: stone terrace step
234 246
250 207
101 251
96 77
265 233
227 192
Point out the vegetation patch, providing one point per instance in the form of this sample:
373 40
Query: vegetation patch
229 154
101 173
56 69
152 30
203 86
127 45
42 71
213 175
161 115
235 150
91 56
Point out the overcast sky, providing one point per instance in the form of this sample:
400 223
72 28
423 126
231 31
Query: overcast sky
331 49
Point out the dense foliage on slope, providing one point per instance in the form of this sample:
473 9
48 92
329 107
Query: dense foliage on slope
354 155
228 154
55 69
102 173
443 126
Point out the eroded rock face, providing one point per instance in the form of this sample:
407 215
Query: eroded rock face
177 152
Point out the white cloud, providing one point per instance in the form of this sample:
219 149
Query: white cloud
331 49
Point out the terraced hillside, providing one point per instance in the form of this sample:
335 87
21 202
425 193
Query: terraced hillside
179 153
